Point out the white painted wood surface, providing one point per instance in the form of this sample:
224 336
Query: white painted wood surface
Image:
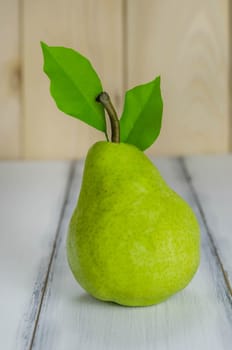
31 199
211 177
64 316
198 316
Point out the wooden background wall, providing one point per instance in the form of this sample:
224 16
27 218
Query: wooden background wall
129 42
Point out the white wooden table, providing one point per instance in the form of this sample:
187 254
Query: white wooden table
42 307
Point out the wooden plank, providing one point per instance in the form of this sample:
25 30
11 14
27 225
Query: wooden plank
211 178
187 43
31 199
230 76
93 29
10 80
199 317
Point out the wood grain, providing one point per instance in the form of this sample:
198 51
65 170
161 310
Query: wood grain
198 318
187 43
10 80
94 29
230 74
129 42
211 178
31 200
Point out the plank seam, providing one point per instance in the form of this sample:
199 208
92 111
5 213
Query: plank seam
21 86
45 283
125 43
230 78
207 229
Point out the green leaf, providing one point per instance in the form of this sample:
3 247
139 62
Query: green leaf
74 84
141 119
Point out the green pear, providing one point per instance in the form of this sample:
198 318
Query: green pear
132 240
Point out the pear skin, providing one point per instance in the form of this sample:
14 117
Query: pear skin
132 240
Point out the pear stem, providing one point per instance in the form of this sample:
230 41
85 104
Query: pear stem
105 100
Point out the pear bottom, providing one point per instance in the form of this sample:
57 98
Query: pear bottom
131 271
132 240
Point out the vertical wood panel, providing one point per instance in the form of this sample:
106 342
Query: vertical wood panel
94 29
187 43
9 80
230 74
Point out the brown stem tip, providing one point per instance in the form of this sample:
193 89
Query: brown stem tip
105 100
